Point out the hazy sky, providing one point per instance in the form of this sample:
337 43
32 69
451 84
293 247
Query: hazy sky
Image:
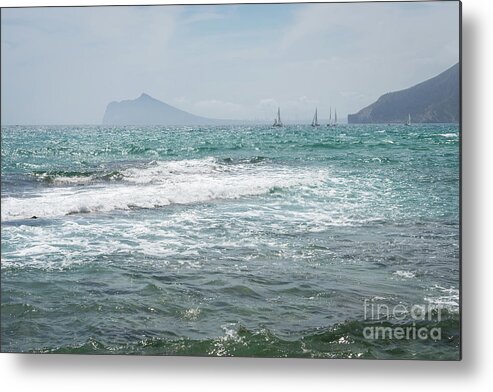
64 65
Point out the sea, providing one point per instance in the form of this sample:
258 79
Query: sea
246 241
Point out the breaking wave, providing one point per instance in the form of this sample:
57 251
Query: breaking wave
155 184
344 340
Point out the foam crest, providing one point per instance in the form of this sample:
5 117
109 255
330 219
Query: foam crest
157 185
168 171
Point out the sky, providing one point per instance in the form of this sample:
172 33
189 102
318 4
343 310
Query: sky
64 65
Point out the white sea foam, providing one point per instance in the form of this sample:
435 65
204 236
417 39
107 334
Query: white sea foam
159 184
448 135
405 274
447 298
76 180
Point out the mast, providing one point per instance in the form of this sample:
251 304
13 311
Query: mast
277 120
315 119
335 116
330 117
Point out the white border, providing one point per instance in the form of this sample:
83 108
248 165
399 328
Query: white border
99 373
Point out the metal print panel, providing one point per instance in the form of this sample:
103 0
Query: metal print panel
264 180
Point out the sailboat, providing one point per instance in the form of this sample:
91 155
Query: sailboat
332 123
408 119
315 120
277 121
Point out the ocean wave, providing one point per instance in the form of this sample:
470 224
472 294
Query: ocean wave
405 274
446 298
141 172
158 184
448 135
344 340
63 178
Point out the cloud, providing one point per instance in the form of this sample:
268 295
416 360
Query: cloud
181 99
203 17
266 108
63 65
385 30
370 48
268 103
218 109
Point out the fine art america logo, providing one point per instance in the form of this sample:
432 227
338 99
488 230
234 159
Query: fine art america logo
401 321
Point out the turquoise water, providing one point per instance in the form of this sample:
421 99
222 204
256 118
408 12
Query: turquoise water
246 241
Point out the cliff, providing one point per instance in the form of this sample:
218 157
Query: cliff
436 100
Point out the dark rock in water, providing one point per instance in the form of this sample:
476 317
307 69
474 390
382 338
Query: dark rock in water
436 100
34 217
147 110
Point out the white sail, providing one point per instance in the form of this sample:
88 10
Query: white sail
332 123
277 121
315 119
408 119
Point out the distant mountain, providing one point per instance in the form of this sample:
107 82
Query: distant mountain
146 110
436 100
